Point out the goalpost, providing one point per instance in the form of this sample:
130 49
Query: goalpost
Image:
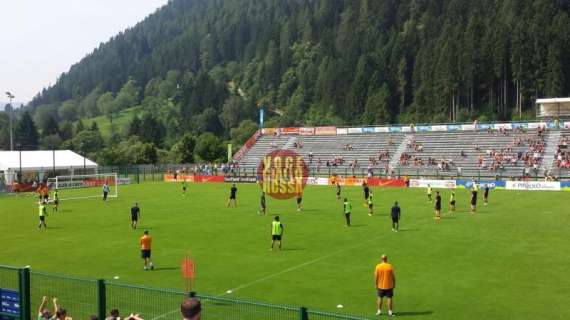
84 186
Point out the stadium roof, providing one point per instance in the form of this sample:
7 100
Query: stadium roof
37 160
553 107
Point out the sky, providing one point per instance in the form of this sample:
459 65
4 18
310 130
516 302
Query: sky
40 39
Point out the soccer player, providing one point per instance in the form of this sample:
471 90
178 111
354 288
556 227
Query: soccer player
262 204
338 190
370 203
474 192
396 214
429 192
366 191
232 202
43 214
299 201
276 232
452 202
55 201
385 280
184 187
105 191
437 205
145 242
486 195
45 193
347 210
135 212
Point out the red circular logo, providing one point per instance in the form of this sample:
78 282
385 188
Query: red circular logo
282 174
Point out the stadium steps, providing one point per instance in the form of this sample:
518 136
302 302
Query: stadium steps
401 148
550 150
290 143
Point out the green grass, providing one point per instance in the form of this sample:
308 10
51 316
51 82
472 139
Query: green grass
508 261
120 121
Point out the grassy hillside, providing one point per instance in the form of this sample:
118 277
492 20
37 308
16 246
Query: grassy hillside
120 121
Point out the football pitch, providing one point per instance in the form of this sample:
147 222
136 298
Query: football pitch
508 261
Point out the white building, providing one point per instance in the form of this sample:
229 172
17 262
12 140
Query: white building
41 163
554 108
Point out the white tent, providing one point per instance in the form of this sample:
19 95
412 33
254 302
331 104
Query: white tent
41 161
553 108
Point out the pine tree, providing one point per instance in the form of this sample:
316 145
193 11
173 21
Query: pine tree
25 133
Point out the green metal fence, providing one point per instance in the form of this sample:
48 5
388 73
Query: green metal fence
82 298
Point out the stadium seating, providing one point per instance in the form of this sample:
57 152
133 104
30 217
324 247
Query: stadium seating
484 153
561 159
339 151
468 153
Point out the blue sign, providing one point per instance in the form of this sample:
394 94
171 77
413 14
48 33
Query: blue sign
10 302
453 127
468 184
522 125
423 128
368 130
261 111
395 129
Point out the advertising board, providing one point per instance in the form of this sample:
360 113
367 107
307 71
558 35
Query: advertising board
533 185
443 184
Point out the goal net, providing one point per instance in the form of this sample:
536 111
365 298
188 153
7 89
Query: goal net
84 186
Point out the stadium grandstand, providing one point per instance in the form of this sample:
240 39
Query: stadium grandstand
470 150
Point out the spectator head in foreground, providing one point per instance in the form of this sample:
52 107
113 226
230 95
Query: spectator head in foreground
191 309
61 314
114 315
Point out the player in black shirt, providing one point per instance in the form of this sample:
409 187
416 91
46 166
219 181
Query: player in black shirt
437 206
396 214
262 203
366 191
338 191
474 192
486 195
135 213
299 201
232 202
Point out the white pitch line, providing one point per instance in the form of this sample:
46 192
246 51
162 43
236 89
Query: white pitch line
166 314
298 266
280 273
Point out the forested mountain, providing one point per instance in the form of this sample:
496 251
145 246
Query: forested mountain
206 66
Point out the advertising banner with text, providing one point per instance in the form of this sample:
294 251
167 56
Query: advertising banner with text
317 181
533 185
444 184
355 130
238 179
387 183
306 131
468 184
325 131
269 131
348 181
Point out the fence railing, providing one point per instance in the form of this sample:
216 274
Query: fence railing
83 298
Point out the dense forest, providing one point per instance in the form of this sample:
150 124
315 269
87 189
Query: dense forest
199 70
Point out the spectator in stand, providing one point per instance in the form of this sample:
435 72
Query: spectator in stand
191 309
